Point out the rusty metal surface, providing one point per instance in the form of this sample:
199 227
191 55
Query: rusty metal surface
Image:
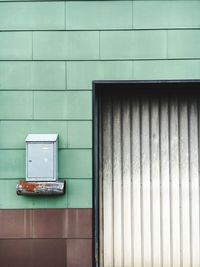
40 188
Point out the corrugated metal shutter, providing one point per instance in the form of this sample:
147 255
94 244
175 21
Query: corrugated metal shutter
149 181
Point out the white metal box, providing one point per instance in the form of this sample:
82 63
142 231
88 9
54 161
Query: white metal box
42 157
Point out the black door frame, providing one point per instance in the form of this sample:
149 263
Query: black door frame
115 86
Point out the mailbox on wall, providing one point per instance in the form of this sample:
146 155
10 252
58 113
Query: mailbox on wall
42 157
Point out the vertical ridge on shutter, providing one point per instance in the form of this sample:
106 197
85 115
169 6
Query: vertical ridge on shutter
184 176
165 182
136 185
117 189
174 176
126 159
155 182
194 179
107 185
146 208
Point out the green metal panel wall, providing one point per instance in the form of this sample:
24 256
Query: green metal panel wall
49 54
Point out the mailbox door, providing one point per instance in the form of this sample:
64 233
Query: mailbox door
40 161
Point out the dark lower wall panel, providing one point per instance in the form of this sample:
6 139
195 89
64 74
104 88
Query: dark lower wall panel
79 253
46 237
33 252
46 223
46 252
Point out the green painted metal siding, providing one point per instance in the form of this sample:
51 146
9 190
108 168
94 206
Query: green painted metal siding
50 51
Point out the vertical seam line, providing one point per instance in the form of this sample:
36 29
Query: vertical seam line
65 13
99 44
32 44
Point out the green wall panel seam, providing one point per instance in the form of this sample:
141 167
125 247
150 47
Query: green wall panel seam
67 126
45 90
33 102
59 179
132 15
103 60
132 65
167 43
107 30
35 120
90 60
99 45
60 148
65 75
32 45
65 15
